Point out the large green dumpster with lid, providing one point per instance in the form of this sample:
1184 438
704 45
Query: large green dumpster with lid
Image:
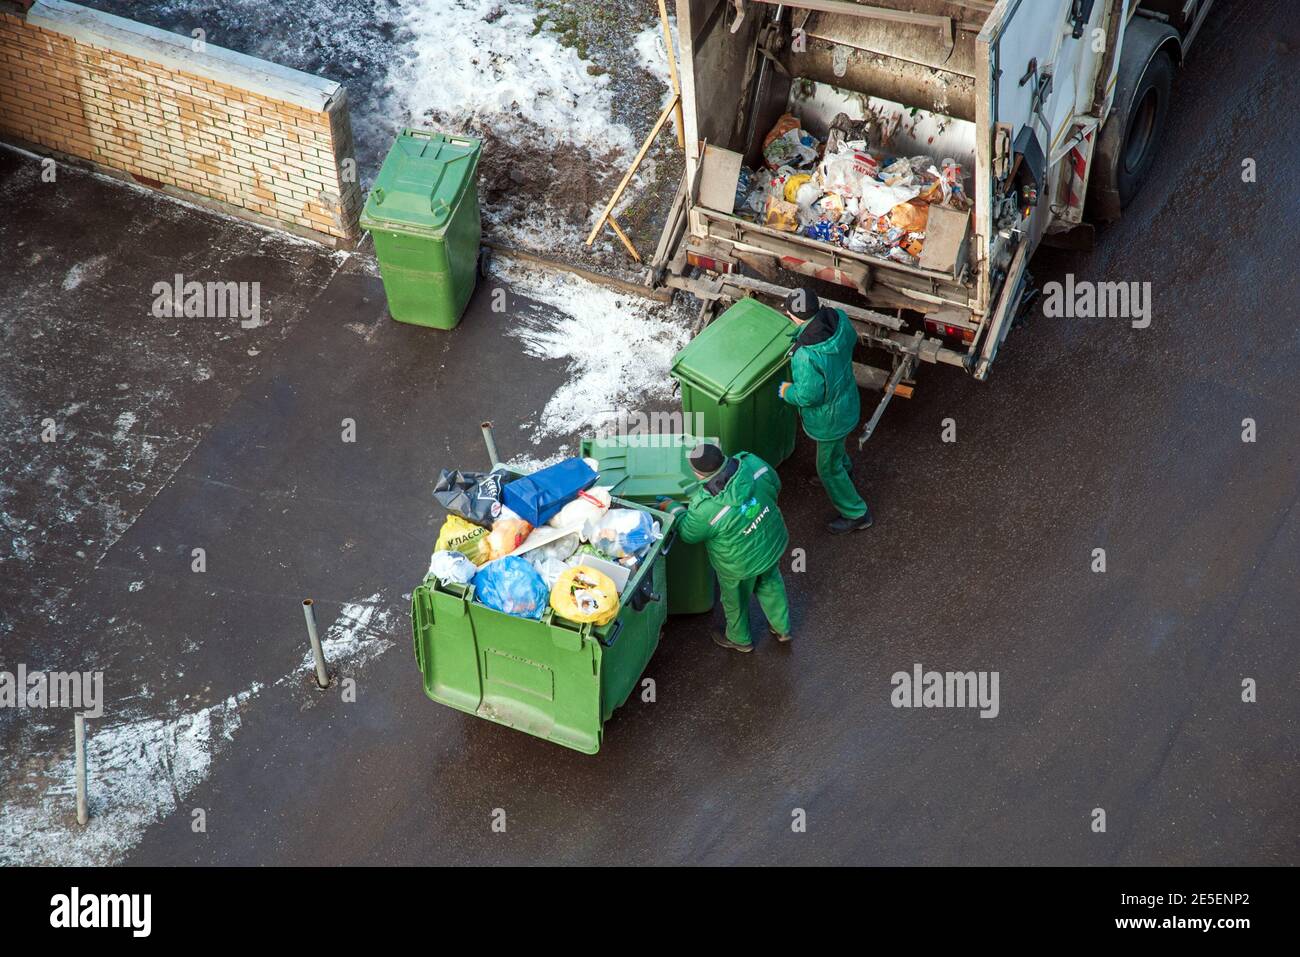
729 376
645 467
552 678
423 214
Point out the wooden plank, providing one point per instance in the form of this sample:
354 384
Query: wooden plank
636 163
618 231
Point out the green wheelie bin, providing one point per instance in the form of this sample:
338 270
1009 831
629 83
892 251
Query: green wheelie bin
552 678
729 375
642 468
423 213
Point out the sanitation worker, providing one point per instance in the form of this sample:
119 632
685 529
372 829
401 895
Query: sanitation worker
826 395
734 513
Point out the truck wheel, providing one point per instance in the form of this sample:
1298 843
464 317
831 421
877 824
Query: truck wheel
1131 137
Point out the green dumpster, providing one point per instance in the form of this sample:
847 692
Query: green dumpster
552 678
729 375
645 467
423 214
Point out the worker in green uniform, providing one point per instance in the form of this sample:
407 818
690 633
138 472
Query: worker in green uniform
734 513
826 394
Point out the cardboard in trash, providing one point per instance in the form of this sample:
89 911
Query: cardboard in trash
945 240
719 174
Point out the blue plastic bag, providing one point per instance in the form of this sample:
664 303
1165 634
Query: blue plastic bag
513 586
623 532
537 497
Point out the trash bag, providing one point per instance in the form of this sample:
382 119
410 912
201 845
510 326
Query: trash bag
787 144
508 533
592 503
474 496
451 568
584 595
458 535
538 497
513 586
549 568
561 549
623 533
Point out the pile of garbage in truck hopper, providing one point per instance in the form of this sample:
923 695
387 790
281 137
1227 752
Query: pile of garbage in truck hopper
843 193
552 539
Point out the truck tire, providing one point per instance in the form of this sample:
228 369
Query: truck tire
1131 137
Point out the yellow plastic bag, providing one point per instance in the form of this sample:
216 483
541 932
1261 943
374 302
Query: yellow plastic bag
584 595
792 186
458 535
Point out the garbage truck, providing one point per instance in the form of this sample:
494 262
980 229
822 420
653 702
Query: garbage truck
1047 109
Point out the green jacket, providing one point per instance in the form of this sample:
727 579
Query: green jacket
737 518
823 387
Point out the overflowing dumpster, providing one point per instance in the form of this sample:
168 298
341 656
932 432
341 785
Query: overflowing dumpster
548 676
729 376
423 214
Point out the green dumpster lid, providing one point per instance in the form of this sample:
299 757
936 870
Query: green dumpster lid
737 351
421 181
647 465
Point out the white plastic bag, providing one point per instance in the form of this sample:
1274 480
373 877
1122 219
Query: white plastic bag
451 568
549 568
592 503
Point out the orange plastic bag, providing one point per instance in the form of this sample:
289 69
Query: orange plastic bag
910 217
507 534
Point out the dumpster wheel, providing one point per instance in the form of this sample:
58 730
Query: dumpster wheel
484 262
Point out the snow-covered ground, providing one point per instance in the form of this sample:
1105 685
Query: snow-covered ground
548 86
618 349
141 769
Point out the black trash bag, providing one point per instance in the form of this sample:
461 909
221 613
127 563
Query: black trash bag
474 496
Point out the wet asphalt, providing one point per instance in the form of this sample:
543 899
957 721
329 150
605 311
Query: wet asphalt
1119 690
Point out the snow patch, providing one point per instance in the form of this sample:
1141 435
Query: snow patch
122 426
138 773
141 771
357 635
618 346
83 271
484 63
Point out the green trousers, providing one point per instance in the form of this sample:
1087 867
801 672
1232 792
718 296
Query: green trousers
833 470
770 589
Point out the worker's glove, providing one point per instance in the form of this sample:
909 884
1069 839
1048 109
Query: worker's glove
780 390
664 503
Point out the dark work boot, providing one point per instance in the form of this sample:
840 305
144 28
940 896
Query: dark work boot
842 525
722 641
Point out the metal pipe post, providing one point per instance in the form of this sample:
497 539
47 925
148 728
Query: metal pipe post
309 613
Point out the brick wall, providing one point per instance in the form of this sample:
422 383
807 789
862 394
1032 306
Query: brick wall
256 139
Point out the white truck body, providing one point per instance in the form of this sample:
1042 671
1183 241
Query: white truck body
1018 91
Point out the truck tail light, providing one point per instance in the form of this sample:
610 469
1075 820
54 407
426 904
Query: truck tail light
934 327
700 261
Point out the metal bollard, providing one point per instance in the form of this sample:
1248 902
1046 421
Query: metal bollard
309 613
490 441
79 731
